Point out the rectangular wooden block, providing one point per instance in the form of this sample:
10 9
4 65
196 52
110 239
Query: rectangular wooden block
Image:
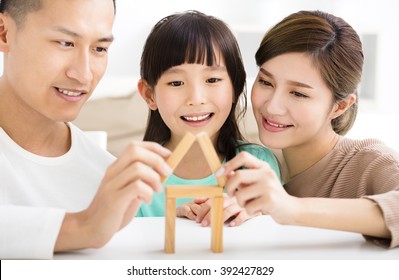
211 156
180 151
217 225
170 225
180 191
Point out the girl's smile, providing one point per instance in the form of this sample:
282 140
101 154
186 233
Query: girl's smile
198 119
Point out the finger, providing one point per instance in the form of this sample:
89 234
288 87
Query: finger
238 219
206 220
137 190
131 211
228 200
138 171
118 203
243 159
191 215
195 208
231 211
243 178
205 208
154 147
200 200
182 210
241 218
247 194
148 153
254 207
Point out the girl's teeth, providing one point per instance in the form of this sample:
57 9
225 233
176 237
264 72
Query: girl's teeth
197 118
69 93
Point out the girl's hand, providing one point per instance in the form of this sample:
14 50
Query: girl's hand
232 212
191 209
257 188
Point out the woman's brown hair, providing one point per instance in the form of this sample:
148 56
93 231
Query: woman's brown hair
332 44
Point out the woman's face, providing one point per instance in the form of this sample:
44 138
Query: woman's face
292 104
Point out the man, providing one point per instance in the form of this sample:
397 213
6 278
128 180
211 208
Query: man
53 195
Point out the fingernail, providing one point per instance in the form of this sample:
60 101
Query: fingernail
232 224
204 223
219 172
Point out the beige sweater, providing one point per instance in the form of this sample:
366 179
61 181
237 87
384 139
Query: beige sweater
354 169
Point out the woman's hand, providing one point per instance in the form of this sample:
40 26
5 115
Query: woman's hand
191 209
257 188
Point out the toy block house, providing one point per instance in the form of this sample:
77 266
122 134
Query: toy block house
213 192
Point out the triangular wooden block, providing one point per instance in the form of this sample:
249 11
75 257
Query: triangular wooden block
207 147
214 192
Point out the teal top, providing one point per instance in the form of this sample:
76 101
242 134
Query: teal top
157 207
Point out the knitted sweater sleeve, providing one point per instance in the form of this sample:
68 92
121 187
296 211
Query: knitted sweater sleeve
383 184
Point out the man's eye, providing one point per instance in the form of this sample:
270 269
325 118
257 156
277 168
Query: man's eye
66 44
101 49
176 83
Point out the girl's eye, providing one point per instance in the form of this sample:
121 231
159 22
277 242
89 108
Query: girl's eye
176 83
212 80
298 94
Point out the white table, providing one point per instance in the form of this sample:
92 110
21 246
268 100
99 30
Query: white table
259 238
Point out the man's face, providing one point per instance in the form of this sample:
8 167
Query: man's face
57 57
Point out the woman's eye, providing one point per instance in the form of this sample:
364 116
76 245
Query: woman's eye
212 80
264 82
176 83
298 94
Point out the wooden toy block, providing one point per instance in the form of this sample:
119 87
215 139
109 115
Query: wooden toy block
192 191
179 152
211 156
217 224
170 225
214 192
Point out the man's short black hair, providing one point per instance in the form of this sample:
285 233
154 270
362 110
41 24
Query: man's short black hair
18 9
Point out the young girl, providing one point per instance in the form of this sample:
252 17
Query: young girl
304 101
193 80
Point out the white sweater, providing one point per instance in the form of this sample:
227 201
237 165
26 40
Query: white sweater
36 192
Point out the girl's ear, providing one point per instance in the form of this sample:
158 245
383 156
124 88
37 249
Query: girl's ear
147 93
341 106
3 33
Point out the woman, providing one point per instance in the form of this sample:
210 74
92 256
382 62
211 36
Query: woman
305 100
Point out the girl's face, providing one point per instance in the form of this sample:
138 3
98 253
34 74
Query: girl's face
194 98
292 104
